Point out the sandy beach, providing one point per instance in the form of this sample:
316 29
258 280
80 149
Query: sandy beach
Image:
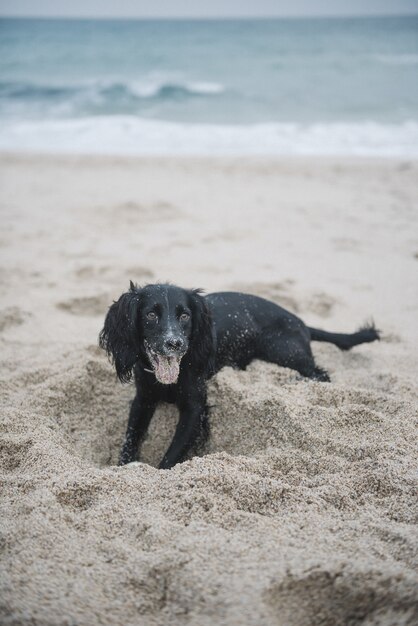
302 510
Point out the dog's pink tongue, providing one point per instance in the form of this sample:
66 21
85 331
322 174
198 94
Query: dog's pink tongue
167 369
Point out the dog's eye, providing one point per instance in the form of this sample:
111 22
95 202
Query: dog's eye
184 317
151 316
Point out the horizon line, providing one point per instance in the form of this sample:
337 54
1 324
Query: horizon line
208 17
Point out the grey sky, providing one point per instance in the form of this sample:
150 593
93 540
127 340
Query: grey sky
203 8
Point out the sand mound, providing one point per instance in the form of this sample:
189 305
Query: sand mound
307 487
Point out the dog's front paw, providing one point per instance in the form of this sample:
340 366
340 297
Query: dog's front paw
166 464
127 456
321 375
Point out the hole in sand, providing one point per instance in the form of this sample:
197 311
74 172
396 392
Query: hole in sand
323 598
13 452
12 316
90 305
91 409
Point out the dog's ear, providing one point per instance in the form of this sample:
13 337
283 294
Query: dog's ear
202 343
120 335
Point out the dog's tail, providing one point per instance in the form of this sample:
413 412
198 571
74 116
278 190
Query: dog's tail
366 334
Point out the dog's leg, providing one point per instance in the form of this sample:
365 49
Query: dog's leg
204 431
192 428
294 352
139 418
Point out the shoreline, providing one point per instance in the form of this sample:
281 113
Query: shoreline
16 154
131 135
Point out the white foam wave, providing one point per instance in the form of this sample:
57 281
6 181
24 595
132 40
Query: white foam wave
205 88
99 89
153 88
132 135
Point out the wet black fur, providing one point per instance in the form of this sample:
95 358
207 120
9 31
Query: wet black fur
224 329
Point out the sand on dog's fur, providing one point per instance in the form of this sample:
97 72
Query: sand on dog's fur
302 510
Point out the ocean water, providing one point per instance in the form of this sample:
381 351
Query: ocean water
282 86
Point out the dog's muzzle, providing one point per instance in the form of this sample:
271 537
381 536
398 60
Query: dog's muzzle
166 367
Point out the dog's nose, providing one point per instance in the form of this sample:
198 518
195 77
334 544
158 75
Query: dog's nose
173 344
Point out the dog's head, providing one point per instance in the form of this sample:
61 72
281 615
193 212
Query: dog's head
157 326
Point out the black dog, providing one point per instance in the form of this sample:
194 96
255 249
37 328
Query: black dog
173 340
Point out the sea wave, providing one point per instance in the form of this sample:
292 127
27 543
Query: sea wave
93 90
158 89
137 136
